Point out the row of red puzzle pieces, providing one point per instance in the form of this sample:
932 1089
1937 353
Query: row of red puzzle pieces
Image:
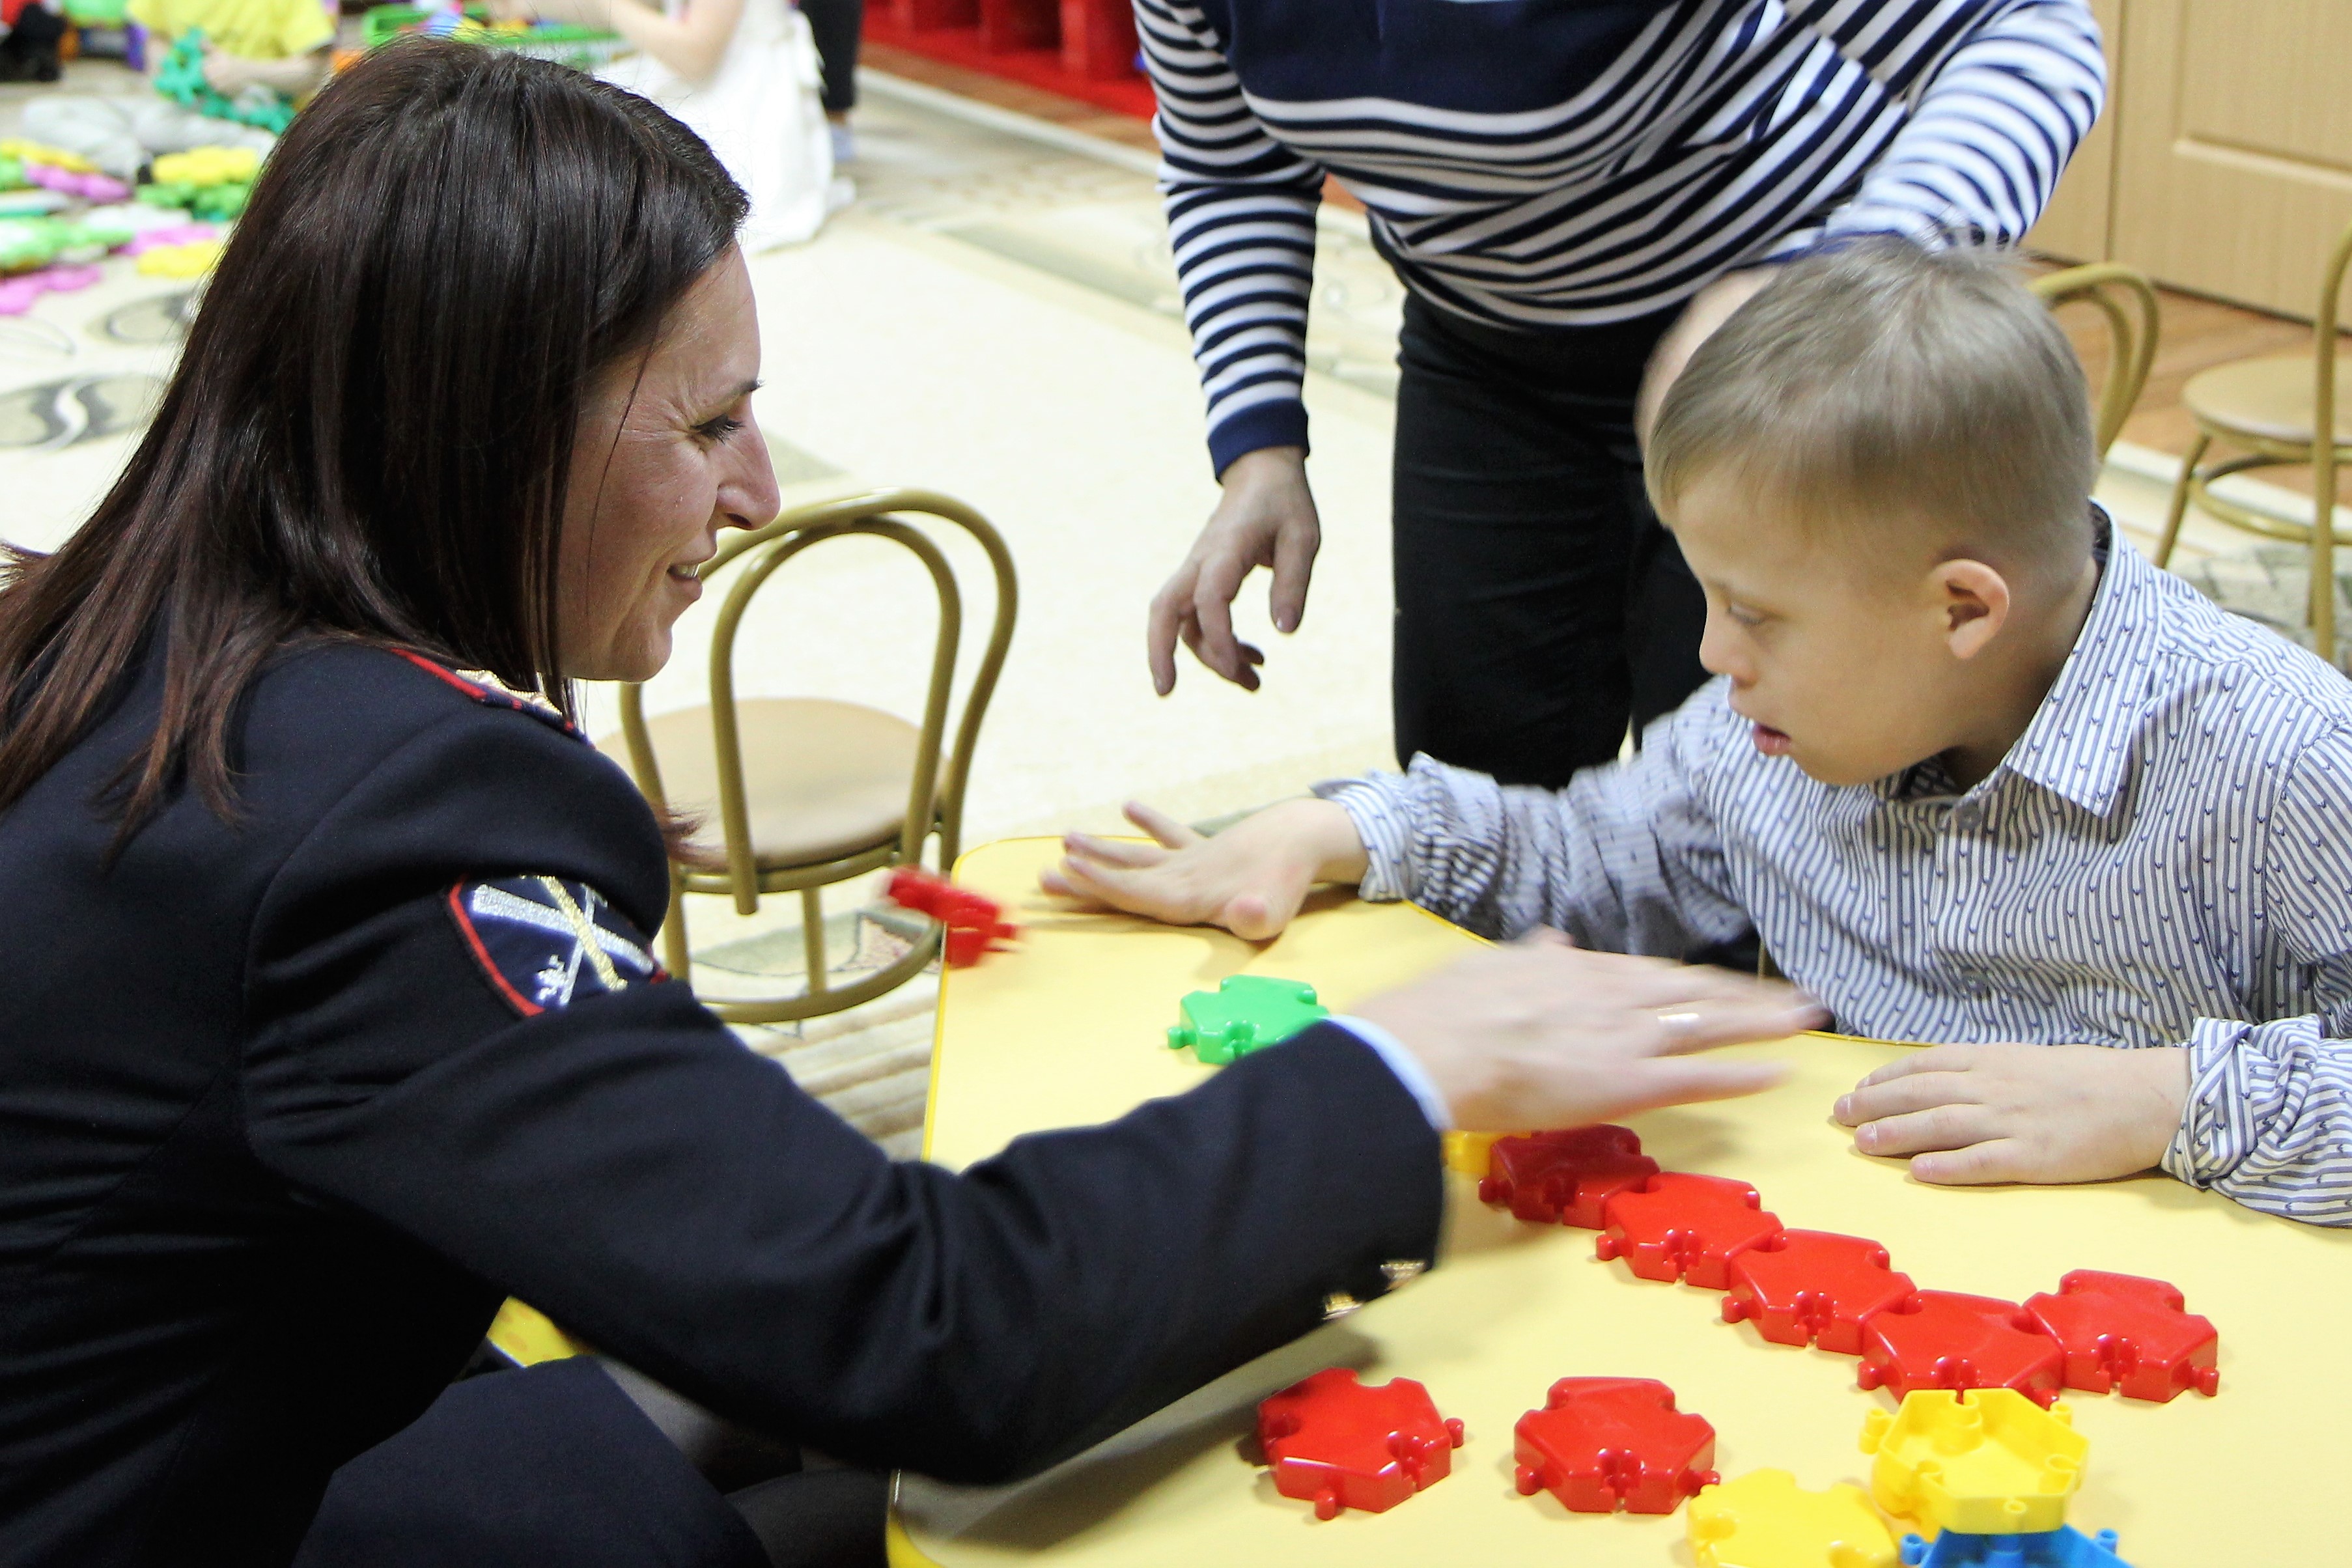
1601 1444
2099 1332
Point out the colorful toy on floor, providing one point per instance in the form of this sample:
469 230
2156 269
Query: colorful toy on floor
1246 1013
24 153
1337 1444
1764 1520
2133 1335
207 182
18 294
971 922
2065 1547
1812 1286
180 77
1944 1339
1677 1226
1985 1461
1564 1177
581 48
1601 1444
27 244
191 261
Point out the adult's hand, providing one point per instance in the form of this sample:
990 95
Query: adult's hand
1266 518
1709 309
1541 1034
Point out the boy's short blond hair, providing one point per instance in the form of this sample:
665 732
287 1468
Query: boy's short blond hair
1883 385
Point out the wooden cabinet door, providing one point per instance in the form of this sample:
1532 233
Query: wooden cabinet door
2233 145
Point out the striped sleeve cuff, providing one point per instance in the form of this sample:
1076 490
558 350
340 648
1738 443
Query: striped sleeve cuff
2232 1091
1376 805
1280 423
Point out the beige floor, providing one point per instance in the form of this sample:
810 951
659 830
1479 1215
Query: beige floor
996 318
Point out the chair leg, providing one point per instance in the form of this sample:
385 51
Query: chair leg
813 937
674 953
2180 500
2322 584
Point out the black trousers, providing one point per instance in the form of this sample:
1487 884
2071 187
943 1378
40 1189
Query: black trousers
554 1466
1539 605
836 24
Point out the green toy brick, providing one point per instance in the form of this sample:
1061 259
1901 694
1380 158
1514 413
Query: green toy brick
1246 1013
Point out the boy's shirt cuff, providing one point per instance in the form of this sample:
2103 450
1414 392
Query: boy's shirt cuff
1405 1065
2232 1092
1375 805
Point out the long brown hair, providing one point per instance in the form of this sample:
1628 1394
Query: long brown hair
369 429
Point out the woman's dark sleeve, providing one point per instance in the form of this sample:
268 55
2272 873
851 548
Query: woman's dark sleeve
622 1161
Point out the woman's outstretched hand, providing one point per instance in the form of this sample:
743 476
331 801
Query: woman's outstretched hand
1250 878
1538 1033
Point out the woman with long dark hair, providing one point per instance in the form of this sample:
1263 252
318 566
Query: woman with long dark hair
333 1019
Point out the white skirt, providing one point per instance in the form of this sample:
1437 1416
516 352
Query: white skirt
761 113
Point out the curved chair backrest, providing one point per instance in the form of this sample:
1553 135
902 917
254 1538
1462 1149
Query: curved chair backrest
2322 409
932 800
2131 342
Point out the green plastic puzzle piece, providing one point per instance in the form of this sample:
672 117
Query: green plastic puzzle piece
1246 1013
180 77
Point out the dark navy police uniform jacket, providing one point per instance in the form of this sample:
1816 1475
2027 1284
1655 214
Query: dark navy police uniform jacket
288 1105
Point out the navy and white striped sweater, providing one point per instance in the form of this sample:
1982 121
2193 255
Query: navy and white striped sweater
1564 162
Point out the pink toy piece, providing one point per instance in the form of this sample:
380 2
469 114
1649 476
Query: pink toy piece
1679 1227
2133 1335
173 233
18 293
1564 1177
1340 1445
1601 1444
101 188
1812 1286
1942 1339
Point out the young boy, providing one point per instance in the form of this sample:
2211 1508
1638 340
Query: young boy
1972 768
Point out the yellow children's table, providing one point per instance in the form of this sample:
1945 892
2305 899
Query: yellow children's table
1070 1029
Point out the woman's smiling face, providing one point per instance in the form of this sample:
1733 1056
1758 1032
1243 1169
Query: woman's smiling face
665 455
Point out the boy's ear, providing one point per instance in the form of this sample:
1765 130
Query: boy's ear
1974 602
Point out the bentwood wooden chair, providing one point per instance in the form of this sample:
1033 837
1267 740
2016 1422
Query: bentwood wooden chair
807 792
2272 410
2124 297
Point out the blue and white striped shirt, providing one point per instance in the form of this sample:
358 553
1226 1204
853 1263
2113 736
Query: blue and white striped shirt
1563 163
2164 858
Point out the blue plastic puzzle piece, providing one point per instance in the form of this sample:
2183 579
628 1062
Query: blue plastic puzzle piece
2065 1547
1246 1013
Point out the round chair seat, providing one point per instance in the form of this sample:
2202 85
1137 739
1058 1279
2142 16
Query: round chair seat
2270 398
822 780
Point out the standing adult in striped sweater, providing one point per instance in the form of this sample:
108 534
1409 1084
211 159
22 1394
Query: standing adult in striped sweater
1573 191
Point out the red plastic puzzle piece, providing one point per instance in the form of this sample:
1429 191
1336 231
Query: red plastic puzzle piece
2130 1334
1812 1286
1564 1177
1601 1444
1942 1339
971 922
1678 1226
1339 1445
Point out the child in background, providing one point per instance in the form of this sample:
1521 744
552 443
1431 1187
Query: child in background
1972 768
743 75
279 47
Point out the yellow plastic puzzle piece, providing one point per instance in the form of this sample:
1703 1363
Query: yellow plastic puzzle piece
1765 1520
25 152
1469 1152
209 166
192 260
1983 1462
527 1337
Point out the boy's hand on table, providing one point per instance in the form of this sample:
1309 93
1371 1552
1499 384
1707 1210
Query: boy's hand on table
1537 1033
1971 1114
1250 878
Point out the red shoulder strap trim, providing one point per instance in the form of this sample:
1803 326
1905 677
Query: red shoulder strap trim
489 696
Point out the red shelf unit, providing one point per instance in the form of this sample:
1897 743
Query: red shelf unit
1080 48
